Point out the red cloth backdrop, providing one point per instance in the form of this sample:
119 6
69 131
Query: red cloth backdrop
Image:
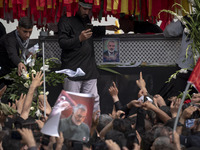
50 11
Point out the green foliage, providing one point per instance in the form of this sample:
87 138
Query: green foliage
187 95
107 67
192 26
21 84
192 29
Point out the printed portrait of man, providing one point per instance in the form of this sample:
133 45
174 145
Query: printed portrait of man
73 127
111 50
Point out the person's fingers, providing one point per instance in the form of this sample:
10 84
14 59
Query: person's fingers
24 96
141 75
172 104
114 85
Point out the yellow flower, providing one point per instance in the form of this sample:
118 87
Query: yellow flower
27 76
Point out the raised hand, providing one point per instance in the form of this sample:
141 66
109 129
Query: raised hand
158 100
19 103
114 92
141 83
135 103
120 114
41 104
40 123
27 137
59 141
174 107
148 105
95 118
36 80
187 113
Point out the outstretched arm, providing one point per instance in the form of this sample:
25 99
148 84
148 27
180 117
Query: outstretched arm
161 114
19 103
36 82
142 85
187 113
114 92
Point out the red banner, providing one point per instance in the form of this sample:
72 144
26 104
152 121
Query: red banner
195 76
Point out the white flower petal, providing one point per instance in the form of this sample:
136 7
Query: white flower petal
32 108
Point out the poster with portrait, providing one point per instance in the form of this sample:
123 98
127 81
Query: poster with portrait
110 50
72 115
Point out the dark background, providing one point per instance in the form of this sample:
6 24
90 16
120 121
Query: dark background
155 78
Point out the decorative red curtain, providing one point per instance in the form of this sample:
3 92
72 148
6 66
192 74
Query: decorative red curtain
50 11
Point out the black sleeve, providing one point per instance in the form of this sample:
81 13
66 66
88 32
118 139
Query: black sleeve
144 27
119 106
66 38
140 124
2 30
98 31
12 48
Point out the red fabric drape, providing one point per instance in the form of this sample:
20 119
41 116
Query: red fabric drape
49 11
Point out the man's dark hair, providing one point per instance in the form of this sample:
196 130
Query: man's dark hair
104 119
8 143
25 22
122 125
117 137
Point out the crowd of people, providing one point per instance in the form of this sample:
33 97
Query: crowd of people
145 123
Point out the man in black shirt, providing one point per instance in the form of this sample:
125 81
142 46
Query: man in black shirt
13 47
78 52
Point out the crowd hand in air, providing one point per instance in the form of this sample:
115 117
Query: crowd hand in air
142 85
114 92
41 104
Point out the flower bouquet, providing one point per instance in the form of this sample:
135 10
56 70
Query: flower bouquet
21 84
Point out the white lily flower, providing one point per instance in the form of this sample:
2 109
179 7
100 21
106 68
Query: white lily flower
183 71
186 30
46 68
26 85
47 93
42 93
179 17
25 74
174 76
32 108
32 63
38 113
33 71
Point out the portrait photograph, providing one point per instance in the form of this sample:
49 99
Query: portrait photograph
111 50
71 115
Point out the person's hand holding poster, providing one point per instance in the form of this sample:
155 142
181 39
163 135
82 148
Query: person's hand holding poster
72 115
